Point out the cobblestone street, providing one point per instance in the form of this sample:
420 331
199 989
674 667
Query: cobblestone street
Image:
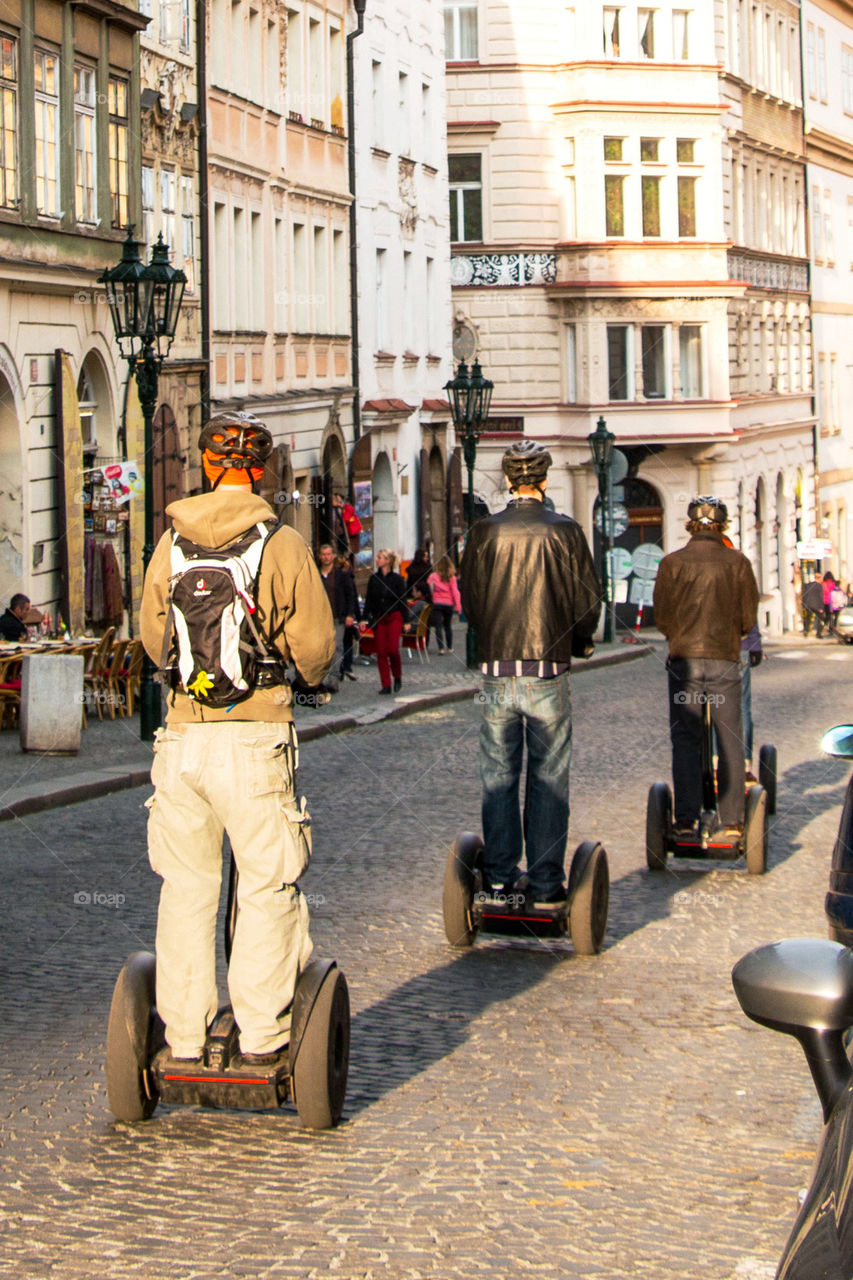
512 1111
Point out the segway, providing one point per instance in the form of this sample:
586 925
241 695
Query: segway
313 1073
471 906
709 840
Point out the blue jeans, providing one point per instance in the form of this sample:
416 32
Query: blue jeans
746 703
519 709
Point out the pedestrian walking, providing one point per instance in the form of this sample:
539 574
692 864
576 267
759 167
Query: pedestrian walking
829 586
343 600
386 611
419 569
231 597
530 590
813 607
445 602
705 602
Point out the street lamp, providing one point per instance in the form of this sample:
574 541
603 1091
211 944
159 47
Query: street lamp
601 444
470 396
145 302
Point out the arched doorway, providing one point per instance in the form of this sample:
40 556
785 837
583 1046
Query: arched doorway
384 505
11 496
760 536
167 466
633 574
437 502
333 479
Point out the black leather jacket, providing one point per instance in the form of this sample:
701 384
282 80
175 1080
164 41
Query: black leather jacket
706 599
386 594
529 585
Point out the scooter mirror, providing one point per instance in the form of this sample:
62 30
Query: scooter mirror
838 742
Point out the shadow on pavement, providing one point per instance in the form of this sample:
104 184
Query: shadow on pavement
425 1019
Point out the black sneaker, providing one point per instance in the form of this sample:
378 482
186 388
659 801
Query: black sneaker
556 898
265 1059
386 691
398 684
348 675
682 830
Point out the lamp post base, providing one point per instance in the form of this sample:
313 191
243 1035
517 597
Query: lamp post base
149 702
472 660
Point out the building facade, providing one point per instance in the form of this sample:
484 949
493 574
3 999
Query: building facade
278 208
69 188
828 42
603 265
403 262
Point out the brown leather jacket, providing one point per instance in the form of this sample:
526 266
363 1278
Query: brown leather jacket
706 599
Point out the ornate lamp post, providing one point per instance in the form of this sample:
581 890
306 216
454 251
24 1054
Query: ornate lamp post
601 444
470 396
145 302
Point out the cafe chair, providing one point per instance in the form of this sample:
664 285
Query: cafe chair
129 676
419 639
10 691
95 676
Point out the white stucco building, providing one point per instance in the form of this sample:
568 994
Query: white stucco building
628 202
403 264
828 42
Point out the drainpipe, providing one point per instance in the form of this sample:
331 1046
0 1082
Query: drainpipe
203 192
360 6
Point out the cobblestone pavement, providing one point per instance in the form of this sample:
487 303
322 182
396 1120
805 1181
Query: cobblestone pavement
512 1111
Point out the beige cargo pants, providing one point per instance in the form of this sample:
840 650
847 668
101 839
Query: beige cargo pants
235 776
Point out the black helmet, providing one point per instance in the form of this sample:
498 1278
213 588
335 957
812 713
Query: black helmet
238 440
526 462
708 510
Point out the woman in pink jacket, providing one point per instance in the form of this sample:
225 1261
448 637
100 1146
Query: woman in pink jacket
445 602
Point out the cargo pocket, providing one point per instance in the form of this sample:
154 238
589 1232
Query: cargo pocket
268 767
297 838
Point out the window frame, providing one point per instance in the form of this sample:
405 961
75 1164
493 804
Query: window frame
455 46
457 188
118 132
9 84
44 100
86 193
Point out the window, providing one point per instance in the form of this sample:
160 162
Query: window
811 61
850 230
571 364
409 342
646 32
146 174
404 115
8 121
460 30
847 78
828 237
685 150
117 132
617 362
817 226
426 124
821 64
613 148
168 202
612 44
380 301
466 198
84 144
188 232
651 205
686 206
690 361
174 23
654 361
322 318
301 310
378 112
680 46
614 205
47 132
649 150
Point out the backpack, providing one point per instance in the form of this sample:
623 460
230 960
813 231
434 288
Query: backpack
217 654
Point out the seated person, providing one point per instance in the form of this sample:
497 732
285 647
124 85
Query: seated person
12 622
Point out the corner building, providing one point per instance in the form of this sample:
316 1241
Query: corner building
627 224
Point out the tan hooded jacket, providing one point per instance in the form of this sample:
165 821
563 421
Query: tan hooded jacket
293 609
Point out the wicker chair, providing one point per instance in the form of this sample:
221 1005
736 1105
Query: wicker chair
129 676
113 698
94 678
10 691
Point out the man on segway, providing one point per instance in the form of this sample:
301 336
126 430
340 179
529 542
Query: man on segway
229 599
706 600
530 590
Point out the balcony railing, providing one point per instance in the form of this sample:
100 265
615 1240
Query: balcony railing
502 269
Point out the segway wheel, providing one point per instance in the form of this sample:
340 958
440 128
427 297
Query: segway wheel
131 1091
589 898
658 823
320 1072
461 874
755 831
767 774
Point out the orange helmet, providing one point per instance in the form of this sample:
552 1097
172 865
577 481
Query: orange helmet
234 442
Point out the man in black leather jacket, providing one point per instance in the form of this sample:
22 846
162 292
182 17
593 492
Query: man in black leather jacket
530 589
706 600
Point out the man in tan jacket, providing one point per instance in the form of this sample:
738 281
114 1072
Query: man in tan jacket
233 769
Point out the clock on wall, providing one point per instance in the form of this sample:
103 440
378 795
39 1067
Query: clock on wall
464 340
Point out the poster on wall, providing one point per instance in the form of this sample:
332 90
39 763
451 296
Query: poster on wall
364 555
363 499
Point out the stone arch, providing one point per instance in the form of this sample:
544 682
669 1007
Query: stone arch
384 505
99 421
11 494
760 513
333 479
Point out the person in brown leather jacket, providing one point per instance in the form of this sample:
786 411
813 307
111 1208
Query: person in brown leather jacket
706 600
